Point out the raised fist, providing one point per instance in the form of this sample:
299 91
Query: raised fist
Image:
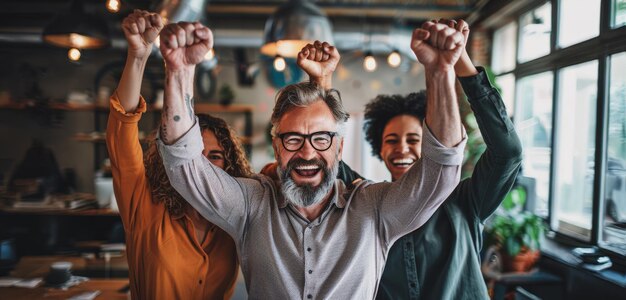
141 28
319 60
185 44
459 25
437 46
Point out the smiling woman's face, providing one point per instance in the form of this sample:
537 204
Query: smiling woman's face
401 144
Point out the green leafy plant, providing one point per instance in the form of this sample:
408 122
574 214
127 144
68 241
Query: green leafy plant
513 229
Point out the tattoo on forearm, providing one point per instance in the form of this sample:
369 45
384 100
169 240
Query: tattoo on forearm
164 133
163 124
176 118
189 101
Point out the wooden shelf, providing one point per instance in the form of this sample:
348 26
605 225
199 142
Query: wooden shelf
53 106
101 138
218 108
199 107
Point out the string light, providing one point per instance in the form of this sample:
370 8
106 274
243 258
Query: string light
279 63
369 63
394 59
209 55
113 6
73 54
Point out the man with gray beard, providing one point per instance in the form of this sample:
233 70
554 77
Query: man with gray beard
307 194
306 236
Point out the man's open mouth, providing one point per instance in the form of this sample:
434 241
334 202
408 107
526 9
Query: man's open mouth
307 170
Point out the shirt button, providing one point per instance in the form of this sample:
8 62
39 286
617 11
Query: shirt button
309 296
412 284
310 271
308 249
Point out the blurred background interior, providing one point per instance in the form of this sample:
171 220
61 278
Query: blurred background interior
560 66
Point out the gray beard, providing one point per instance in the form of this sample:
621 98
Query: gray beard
306 194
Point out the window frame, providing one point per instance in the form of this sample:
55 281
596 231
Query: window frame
609 41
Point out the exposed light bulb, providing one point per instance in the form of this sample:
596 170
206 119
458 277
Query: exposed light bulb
73 54
279 63
78 40
209 55
369 63
394 59
113 6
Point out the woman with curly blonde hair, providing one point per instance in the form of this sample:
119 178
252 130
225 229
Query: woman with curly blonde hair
172 251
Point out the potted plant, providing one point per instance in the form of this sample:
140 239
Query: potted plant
516 232
226 95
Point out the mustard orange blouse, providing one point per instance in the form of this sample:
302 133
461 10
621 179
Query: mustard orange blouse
165 259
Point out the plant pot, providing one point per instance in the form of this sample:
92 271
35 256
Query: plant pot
226 101
522 262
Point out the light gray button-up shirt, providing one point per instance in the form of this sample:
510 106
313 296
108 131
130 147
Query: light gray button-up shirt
339 255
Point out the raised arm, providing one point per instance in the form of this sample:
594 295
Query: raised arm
319 60
464 66
495 171
217 196
407 203
140 28
183 46
438 47
129 180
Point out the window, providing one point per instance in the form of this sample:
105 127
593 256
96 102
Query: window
618 13
561 76
579 20
614 230
503 52
506 83
535 29
533 121
575 146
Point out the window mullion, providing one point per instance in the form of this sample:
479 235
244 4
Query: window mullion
554 151
600 153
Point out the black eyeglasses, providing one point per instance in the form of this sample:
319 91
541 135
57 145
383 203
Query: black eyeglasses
321 140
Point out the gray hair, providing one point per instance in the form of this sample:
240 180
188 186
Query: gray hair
304 94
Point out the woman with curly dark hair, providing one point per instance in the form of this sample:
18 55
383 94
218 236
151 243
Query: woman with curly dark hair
233 157
221 147
172 251
393 127
441 260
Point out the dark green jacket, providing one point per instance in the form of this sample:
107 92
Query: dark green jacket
441 259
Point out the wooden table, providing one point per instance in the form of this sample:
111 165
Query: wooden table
109 288
36 266
59 212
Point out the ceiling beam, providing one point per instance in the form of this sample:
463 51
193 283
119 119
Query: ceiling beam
418 12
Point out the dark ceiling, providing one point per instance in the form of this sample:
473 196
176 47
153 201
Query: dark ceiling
22 21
